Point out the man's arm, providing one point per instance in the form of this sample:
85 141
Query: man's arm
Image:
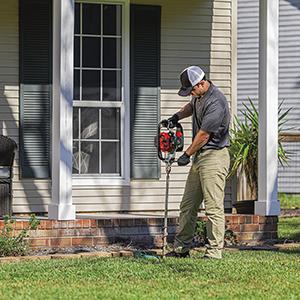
199 141
185 111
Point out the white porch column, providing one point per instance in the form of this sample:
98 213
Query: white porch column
268 203
61 207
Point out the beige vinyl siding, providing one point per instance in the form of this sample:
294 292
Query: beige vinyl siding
192 32
28 195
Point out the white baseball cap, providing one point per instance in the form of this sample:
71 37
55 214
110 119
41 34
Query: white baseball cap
189 77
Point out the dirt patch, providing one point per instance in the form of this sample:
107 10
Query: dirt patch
290 212
79 250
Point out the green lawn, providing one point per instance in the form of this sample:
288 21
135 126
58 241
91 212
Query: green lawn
289 228
289 201
240 275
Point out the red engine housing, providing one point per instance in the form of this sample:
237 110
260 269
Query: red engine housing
170 140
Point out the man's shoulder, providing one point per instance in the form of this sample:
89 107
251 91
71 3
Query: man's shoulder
217 98
218 94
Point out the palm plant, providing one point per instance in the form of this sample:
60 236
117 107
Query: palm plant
244 144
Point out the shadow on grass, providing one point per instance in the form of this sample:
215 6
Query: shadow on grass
295 237
291 250
285 248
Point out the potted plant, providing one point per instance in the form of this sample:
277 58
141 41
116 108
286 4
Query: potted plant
244 154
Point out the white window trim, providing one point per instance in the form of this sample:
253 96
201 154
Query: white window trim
124 179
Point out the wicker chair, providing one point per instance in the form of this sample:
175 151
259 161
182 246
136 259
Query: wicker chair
7 154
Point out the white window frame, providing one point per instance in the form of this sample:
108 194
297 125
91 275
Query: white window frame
124 179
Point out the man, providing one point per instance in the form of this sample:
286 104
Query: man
207 176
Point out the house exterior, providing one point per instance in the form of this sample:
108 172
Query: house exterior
125 69
289 66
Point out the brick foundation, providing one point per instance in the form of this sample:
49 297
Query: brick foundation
145 232
252 228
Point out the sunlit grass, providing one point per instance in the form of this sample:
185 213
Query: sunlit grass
240 275
289 228
289 201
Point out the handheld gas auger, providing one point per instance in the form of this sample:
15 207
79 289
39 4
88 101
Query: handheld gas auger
169 141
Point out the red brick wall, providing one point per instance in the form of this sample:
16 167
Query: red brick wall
138 231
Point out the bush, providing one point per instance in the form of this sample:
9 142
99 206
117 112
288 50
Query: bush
200 237
244 143
11 245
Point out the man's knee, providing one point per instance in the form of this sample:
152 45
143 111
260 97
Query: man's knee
217 210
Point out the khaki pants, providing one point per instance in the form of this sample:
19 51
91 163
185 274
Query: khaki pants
205 182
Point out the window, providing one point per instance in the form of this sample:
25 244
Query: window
98 106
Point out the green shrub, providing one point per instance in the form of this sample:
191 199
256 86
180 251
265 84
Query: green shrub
11 245
200 237
244 143
229 237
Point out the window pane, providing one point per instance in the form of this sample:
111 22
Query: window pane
76 85
90 85
75 158
77 18
110 123
91 18
110 157
91 52
89 157
112 19
76 123
112 53
89 123
77 51
112 86
97 131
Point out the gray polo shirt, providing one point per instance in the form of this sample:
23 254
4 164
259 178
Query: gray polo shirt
211 114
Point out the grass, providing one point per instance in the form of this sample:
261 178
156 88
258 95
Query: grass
289 201
240 275
289 229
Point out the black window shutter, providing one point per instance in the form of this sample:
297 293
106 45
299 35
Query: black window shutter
145 89
35 87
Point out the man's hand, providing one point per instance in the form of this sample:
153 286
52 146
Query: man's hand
183 160
173 120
